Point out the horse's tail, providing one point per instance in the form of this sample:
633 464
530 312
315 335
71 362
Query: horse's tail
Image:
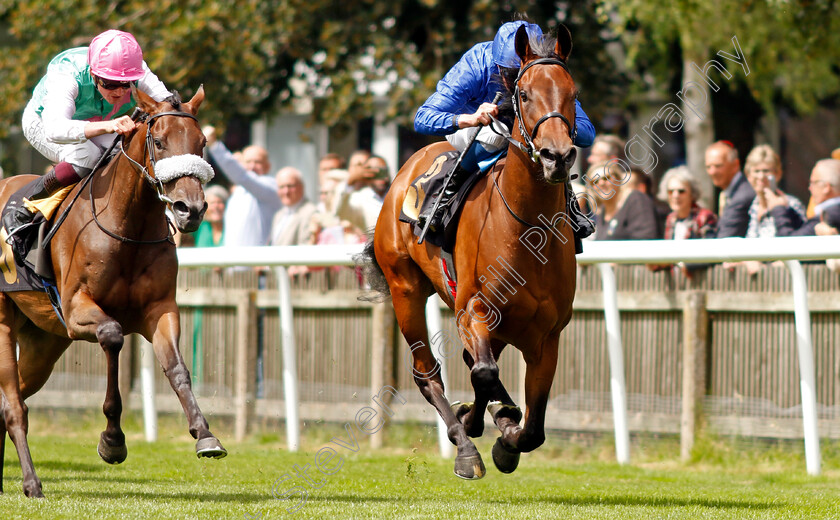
366 260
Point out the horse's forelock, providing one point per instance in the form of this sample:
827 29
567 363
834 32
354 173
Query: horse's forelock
543 46
174 99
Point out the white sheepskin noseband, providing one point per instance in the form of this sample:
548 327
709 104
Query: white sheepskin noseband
181 165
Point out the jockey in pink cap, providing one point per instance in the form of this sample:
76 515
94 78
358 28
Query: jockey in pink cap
84 97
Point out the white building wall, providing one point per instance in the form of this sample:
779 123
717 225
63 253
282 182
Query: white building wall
291 143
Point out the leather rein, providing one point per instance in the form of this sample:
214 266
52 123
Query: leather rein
156 184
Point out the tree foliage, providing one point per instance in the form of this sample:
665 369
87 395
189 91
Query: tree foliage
790 45
354 58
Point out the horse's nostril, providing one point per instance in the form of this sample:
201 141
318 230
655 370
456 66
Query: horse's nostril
548 156
569 158
180 207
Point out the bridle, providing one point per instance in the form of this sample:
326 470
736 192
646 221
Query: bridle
151 179
150 148
528 147
156 183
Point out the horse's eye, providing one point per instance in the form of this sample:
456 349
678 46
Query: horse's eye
523 97
158 144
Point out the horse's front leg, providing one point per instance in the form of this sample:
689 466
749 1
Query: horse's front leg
163 325
502 407
539 375
86 320
484 372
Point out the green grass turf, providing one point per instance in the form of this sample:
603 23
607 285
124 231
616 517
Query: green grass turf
567 478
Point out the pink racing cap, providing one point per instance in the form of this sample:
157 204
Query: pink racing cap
116 55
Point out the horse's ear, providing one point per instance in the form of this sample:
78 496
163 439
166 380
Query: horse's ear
144 101
522 44
563 47
196 100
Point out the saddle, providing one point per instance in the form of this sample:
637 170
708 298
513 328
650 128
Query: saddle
35 267
425 189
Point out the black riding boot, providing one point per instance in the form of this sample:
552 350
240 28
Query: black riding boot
17 214
458 177
585 226
17 217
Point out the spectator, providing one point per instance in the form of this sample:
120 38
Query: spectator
361 200
290 226
687 219
211 231
329 186
724 167
641 181
356 163
331 161
254 200
824 186
605 148
764 170
623 213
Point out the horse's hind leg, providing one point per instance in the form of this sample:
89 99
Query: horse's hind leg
163 327
15 412
2 437
409 305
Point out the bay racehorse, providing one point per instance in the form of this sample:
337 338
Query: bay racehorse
508 290
115 269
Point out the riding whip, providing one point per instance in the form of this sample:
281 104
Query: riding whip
60 220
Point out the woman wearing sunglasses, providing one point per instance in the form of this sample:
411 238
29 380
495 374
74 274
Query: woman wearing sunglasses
84 97
687 219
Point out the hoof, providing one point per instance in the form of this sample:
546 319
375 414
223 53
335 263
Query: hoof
111 454
498 409
505 461
211 448
461 409
470 467
33 490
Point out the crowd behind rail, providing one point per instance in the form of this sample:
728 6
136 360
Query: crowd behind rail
265 209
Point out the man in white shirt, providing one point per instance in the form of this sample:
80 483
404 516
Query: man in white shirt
254 200
290 226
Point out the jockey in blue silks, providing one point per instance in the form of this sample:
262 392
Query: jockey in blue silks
463 100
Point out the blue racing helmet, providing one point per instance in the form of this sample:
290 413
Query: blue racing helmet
504 47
